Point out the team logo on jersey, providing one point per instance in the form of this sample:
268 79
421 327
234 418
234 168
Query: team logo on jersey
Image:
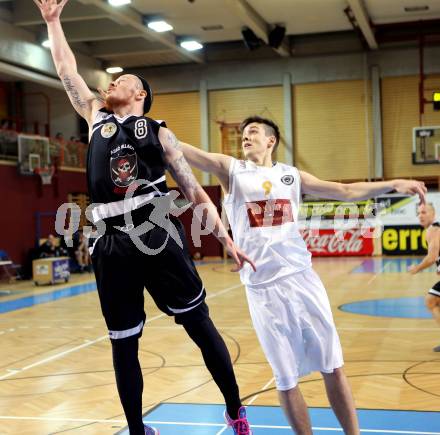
287 179
124 169
141 128
108 130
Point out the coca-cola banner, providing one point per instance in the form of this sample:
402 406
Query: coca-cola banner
331 243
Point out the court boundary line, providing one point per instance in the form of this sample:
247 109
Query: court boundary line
180 423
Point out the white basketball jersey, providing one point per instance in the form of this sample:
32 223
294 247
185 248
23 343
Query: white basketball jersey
262 207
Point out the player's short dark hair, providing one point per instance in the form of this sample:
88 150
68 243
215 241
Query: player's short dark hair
149 98
270 127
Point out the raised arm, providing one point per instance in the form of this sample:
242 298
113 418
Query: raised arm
182 174
214 163
433 240
81 97
359 191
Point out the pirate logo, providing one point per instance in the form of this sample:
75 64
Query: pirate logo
124 169
287 179
108 130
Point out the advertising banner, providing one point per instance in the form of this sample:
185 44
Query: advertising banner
395 215
404 240
331 243
61 269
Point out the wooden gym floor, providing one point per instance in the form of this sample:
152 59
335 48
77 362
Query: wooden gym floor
56 371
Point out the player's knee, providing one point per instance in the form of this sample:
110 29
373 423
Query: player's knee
289 390
125 353
124 343
194 316
336 374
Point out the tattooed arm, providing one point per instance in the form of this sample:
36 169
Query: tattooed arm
184 177
81 97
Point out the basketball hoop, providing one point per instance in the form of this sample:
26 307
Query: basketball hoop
45 174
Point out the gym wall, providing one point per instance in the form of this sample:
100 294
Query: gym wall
181 112
234 105
400 113
329 123
23 198
63 118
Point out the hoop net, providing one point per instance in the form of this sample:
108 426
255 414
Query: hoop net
45 174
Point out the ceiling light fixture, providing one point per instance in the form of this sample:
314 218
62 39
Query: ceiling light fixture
160 26
114 69
117 3
191 45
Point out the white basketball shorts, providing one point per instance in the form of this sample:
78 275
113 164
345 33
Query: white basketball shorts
294 324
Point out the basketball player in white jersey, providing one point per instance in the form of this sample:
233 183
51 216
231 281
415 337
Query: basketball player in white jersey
426 214
289 306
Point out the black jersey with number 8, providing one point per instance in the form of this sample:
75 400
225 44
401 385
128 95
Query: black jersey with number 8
125 156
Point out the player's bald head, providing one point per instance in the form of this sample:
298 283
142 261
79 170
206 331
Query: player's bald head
129 87
429 207
137 81
426 214
133 79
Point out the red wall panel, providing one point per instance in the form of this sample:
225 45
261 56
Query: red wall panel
22 197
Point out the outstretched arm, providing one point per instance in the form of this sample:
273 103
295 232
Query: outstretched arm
182 174
214 163
81 97
432 238
359 191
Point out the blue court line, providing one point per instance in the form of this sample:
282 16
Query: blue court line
409 308
204 419
29 301
389 265
67 292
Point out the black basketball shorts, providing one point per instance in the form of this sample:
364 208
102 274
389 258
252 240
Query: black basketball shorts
435 290
123 271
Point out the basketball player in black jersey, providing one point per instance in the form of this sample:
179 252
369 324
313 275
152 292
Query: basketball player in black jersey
426 214
127 158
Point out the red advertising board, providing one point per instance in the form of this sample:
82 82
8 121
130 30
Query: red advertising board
331 243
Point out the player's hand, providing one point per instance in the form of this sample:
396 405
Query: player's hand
413 269
412 187
238 256
50 9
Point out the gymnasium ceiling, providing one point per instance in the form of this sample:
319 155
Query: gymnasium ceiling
117 36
